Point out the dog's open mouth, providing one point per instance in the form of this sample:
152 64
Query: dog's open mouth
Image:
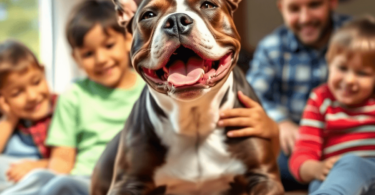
186 68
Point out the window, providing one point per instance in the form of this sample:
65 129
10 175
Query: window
19 20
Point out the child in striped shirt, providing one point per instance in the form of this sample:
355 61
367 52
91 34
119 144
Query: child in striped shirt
335 149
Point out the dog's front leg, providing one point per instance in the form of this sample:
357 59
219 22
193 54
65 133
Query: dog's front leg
255 184
137 158
262 175
133 179
136 186
263 178
260 184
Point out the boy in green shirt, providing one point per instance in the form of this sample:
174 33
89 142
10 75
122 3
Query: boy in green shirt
93 111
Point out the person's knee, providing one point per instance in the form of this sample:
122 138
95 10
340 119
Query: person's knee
65 185
349 160
42 174
314 185
58 185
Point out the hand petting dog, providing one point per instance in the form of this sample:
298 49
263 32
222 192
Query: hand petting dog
254 120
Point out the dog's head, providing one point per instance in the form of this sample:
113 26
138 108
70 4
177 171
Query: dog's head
184 48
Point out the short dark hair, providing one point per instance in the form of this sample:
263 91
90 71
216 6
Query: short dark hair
15 56
86 15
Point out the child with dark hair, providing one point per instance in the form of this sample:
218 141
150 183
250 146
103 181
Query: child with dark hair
335 150
26 105
94 109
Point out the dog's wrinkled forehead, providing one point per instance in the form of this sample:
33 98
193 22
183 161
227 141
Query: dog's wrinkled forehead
216 15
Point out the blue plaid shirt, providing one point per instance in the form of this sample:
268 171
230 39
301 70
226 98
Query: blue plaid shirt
283 72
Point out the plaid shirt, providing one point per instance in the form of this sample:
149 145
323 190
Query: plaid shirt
284 72
38 130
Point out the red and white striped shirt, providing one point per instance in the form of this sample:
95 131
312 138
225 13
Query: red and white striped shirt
329 128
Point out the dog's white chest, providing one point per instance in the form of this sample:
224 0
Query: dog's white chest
197 161
196 166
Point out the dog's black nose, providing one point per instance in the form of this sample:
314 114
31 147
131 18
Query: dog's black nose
178 24
185 23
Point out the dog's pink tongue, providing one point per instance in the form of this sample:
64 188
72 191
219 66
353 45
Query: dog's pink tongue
181 74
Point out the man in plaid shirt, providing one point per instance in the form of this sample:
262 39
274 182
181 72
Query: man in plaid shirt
289 63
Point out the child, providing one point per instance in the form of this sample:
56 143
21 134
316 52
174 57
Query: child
26 104
336 148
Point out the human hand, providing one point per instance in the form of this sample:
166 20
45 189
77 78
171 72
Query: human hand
323 168
128 7
288 135
253 118
18 170
7 112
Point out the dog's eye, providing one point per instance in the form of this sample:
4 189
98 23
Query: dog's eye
148 15
208 5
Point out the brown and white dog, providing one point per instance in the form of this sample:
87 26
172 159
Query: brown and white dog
186 51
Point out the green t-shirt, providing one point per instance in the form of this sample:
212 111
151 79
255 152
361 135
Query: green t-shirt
87 117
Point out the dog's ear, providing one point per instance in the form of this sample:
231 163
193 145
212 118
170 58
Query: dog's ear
129 26
233 4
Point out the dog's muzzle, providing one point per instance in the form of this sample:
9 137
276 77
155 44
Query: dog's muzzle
178 24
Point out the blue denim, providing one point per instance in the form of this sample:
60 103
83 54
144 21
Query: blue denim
22 146
44 182
18 148
351 175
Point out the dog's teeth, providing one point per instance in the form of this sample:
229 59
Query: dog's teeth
166 70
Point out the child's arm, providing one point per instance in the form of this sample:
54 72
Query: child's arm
18 170
7 123
62 159
313 169
7 127
63 133
254 118
305 164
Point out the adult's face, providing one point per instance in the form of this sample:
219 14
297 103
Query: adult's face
308 19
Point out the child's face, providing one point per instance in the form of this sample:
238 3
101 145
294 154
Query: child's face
103 57
351 78
26 93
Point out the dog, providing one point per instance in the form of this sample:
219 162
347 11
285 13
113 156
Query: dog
186 51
